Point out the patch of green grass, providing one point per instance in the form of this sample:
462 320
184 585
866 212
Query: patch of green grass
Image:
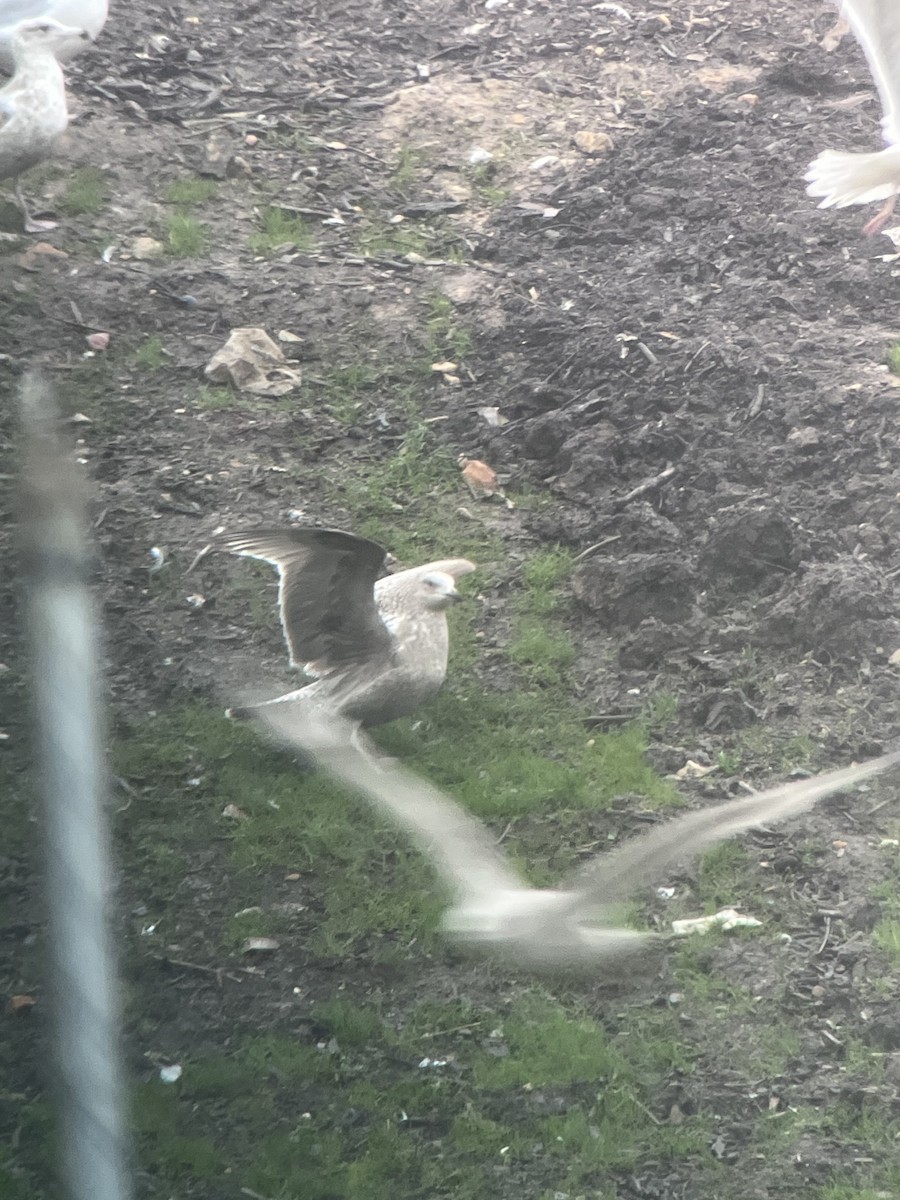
849 1191
185 236
287 1119
483 179
351 1024
446 337
377 238
893 358
721 872
886 933
279 229
211 398
419 468
85 192
541 646
660 710
150 354
191 190
344 389
546 655
410 163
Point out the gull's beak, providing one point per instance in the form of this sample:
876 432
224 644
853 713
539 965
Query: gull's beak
455 596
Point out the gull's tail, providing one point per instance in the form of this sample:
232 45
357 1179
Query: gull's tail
842 178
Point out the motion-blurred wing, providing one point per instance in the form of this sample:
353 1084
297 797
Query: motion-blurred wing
460 846
613 877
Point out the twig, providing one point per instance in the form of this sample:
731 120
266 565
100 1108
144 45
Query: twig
649 485
616 537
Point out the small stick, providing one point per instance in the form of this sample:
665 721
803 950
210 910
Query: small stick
649 485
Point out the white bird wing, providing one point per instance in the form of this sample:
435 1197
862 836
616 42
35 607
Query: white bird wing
613 877
495 906
461 847
13 12
876 26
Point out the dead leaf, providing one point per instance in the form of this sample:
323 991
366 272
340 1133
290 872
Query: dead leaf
445 367
40 251
480 478
20 1006
234 813
592 143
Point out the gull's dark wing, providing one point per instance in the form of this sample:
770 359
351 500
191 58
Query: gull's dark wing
326 591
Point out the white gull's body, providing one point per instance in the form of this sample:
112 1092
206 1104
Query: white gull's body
33 110
843 178
377 649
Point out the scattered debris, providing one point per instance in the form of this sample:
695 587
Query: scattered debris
481 480
260 945
592 143
31 259
805 437
234 813
252 362
170 1074
98 341
21 1005
726 919
492 416
693 770
145 248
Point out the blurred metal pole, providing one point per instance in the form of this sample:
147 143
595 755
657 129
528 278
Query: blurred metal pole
81 970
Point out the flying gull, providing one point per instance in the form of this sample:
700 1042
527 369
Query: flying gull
33 109
494 907
376 648
842 178
89 15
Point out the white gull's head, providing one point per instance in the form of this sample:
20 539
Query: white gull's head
436 590
44 33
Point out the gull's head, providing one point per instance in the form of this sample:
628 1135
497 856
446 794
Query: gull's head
437 590
46 35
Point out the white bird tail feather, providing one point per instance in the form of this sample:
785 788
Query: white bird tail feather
843 178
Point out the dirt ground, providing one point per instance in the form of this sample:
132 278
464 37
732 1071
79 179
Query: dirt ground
689 361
